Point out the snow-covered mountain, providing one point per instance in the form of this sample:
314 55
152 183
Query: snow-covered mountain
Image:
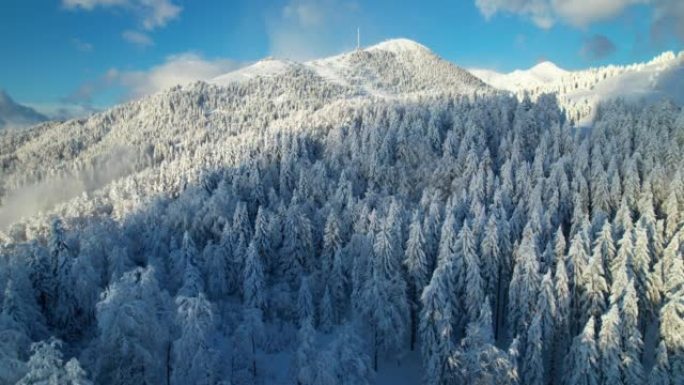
539 75
13 114
394 68
580 92
377 217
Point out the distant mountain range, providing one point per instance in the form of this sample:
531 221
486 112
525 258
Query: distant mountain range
581 91
13 114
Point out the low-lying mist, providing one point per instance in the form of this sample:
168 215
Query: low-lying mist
41 196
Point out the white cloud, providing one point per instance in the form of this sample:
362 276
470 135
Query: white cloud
181 69
307 14
81 45
668 19
178 69
305 29
585 12
152 13
668 15
540 11
138 38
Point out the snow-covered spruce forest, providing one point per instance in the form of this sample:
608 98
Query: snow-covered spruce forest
417 227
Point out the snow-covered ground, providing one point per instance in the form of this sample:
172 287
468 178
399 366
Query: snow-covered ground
583 90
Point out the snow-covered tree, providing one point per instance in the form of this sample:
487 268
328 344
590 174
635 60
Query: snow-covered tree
524 286
253 284
583 361
418 269
533 372
47 366
610 348
660 373
194 358
133 327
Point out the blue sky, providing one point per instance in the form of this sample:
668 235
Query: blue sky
94 53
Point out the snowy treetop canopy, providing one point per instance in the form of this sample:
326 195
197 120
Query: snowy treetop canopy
382 216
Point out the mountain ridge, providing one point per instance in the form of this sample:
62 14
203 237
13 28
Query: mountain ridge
13 114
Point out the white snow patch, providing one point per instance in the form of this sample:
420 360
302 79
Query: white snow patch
266 68
399 45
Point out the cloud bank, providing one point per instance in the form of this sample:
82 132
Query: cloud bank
667 15
151 13
181 69
306 29
176 70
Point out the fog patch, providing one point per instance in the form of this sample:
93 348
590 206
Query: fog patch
41 196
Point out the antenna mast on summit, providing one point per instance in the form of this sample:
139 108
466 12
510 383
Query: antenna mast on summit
358 38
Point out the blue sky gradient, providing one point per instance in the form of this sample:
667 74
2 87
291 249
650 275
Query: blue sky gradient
95 53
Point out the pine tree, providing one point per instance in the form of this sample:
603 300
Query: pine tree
673 216
435 329
660 373
641 264
478 360
524 286
193 357
632 370
582 368
353 364
594 290
605 246
417 268
491 256
305 304
133 327
339 284
578 261
474 285
253 285
46 366
262 239
547 309
332 241
610 348
533 372
245 340
620 269
306 355
327 311
672 319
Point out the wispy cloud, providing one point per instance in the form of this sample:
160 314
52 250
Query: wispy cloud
305 29
138 38
667 15
81 45
180 69
150 13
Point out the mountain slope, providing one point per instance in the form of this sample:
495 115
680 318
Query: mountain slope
13 114
539 75
580 92
394 68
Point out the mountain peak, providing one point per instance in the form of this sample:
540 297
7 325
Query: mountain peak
4 97
15 114
399 45
547 67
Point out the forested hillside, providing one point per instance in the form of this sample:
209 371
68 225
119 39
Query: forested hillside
331 227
